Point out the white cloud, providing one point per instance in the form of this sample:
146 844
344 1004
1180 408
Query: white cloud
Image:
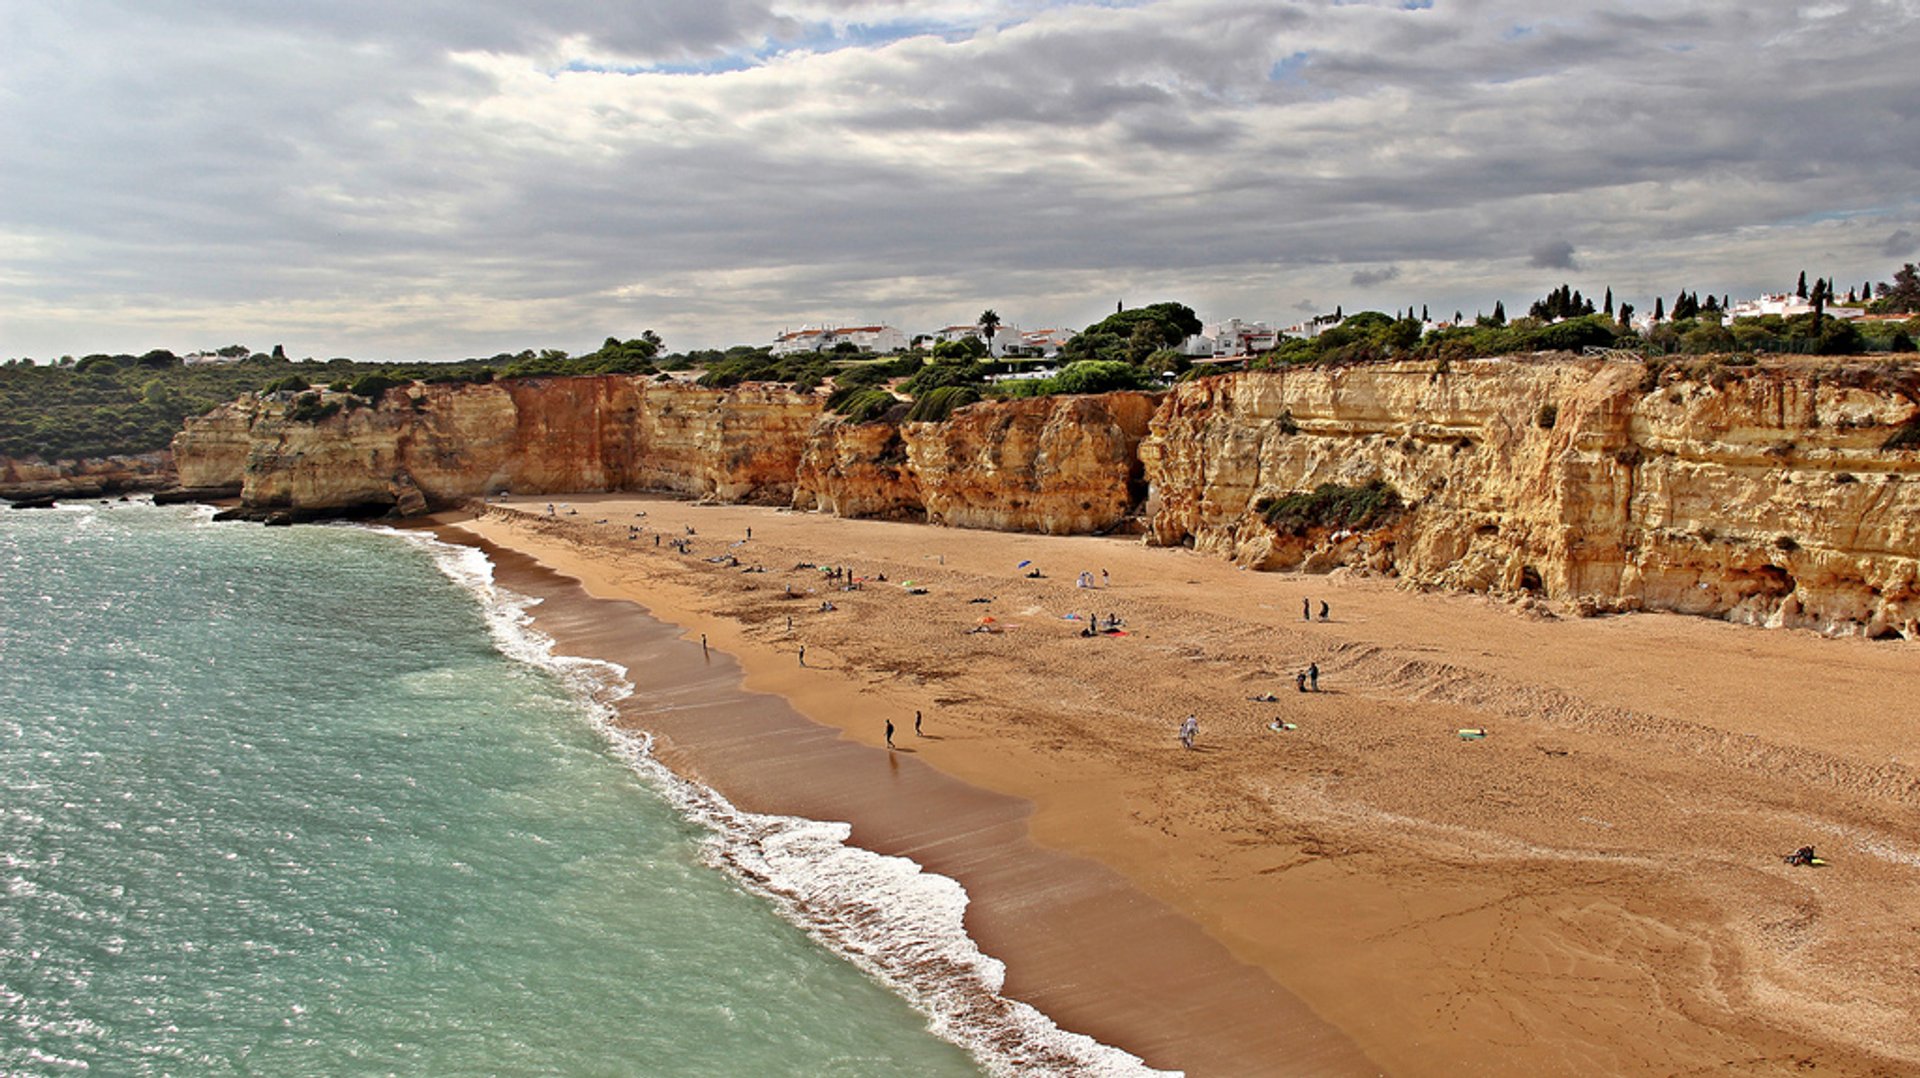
389 181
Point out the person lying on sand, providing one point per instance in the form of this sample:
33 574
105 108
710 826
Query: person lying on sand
1802 856
1264 698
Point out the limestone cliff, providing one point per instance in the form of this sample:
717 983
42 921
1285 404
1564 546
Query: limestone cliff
30 479
1762 495
1765 494
1059 465
455 441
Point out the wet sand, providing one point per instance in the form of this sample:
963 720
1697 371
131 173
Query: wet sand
1595 887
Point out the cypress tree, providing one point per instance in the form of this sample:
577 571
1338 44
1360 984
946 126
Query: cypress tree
1659 309
1608 308
1423 313
1499 312
1801 288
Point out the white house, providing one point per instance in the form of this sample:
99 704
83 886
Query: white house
879 339
1038 342
1236 338
1785 304
1006 337
1312 327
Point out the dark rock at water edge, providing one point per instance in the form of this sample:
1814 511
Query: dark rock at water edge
185 495
34 503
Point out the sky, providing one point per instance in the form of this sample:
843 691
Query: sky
434 179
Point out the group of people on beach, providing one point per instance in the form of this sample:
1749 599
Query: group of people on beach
1306 610
1085 579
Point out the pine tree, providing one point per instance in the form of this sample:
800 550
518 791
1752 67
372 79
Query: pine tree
1499 312
1607 309
1423 313
1659 309
1801 288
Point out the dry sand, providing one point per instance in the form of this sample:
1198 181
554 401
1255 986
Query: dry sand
1594 888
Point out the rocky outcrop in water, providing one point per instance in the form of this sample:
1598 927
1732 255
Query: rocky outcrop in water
36 480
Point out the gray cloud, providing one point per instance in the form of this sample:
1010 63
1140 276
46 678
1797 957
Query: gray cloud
1553 254
365 178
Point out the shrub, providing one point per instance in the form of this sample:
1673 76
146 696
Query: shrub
1100 376
374 386
1331 505
308 409
936 406
865 405
291 382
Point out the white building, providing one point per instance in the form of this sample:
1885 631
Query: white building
1312 327
208 359
1006 337
1784 304
1039 342
877 339
1236 338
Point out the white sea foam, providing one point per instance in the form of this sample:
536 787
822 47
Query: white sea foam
898 923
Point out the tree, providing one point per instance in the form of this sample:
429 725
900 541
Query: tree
1801 288
1608 308
1499 312
1902 296
1659 309
989 325
1626 314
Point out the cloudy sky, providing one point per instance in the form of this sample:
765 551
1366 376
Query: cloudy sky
443 178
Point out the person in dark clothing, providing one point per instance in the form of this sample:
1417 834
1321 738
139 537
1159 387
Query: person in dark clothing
916 725
889 733
1323 610
1300 681
1313 675
1306 610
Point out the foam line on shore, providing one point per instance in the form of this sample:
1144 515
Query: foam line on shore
895 921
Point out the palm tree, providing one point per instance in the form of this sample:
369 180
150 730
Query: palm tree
989 325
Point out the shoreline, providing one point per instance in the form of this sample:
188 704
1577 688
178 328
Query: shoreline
1526 906
1087 950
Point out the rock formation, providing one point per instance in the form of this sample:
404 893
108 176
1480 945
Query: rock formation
1761 495
36 480
1765 494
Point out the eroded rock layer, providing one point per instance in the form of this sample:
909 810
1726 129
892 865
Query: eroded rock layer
1767 495
1761 495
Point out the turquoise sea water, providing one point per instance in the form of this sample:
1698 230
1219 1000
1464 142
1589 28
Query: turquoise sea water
276 802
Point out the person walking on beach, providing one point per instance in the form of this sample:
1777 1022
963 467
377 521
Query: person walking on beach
916 725
889 733
803 655
1189 730
1313 675
1306 610
703 644
749 531
1323 610
1103 579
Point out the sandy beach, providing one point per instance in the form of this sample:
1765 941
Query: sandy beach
1596 886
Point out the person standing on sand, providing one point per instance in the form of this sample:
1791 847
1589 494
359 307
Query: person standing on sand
1189 730
1313 675
703 644
916 725
803 655
1103 579
749 531
1306 610
889 733
1300 681
1323 610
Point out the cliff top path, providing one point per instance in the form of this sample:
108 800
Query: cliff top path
1595 887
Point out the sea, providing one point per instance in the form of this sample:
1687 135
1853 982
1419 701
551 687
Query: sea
323 801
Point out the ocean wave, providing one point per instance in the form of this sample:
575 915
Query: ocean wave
895 921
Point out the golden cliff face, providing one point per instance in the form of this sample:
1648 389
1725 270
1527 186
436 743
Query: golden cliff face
1761 495
1058 465
92 477
452 442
